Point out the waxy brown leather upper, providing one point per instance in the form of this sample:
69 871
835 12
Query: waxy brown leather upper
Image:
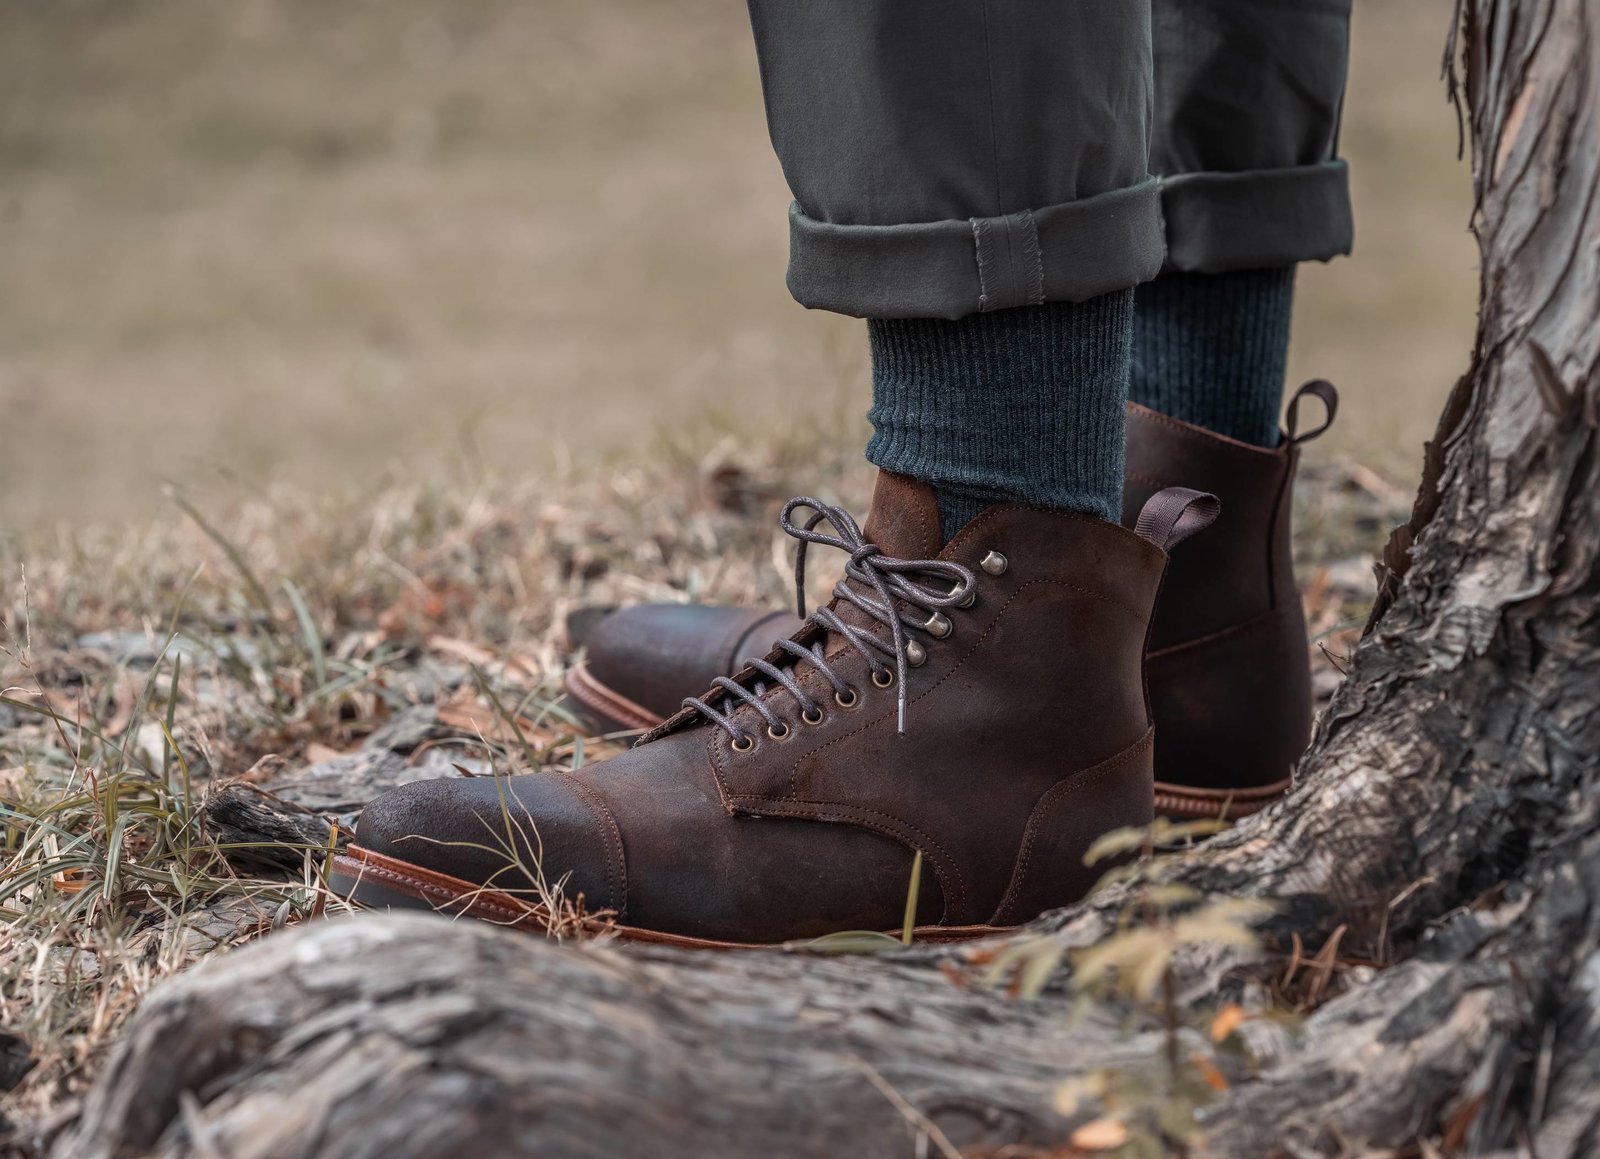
1027 735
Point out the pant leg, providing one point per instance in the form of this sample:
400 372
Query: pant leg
1246 131
949 157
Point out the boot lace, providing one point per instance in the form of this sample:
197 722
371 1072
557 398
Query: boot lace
889 583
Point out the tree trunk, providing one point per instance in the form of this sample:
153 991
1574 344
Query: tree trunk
1436 869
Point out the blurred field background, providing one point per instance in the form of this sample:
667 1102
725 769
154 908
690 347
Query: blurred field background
289 241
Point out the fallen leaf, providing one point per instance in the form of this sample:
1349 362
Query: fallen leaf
316 753
1208 1071
74 880
1100 1135
1226 1022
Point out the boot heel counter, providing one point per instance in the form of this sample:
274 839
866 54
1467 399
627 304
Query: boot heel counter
1049 871
1233 710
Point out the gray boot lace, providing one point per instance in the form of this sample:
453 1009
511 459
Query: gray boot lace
889 581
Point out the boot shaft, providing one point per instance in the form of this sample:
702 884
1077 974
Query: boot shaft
1228 665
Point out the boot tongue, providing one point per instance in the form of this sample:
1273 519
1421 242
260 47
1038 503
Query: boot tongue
904 520
904 524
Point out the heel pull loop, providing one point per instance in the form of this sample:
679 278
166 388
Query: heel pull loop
1326 393
1172 515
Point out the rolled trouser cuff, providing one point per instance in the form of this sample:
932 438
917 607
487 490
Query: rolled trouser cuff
950 269
1219 222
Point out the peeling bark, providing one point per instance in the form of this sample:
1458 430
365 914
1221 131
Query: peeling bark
1445 828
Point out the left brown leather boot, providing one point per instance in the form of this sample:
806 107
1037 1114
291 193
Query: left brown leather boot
981 701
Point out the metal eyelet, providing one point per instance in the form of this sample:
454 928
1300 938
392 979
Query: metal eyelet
916 654
855 699
810 719
776 735
969 599
938 626
994 563
887 678
749 743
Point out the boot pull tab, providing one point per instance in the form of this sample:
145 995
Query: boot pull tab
1171 516
1323 391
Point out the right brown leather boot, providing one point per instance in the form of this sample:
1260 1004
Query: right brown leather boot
1229 668
1228 665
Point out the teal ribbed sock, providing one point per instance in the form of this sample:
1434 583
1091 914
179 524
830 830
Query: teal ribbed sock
1024 405
1211 349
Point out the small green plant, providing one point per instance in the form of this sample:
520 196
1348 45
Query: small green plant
1140 1112
876 941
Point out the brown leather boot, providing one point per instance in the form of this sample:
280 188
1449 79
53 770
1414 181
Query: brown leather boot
982 702
1229 667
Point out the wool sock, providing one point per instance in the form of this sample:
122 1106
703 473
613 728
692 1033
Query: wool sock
1211 349
1025 405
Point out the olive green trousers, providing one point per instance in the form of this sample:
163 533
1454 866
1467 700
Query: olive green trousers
949 157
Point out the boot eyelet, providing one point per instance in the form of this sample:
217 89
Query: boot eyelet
777 734
812 719
749 743
848 700
938 626
916 654
969 599
883 679
994 563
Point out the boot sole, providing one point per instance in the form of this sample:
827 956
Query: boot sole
377 881
1181 802
608 707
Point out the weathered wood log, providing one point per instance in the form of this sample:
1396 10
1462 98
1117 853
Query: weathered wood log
259 831
409 1035
1444 829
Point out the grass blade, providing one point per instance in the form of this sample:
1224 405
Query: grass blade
258 594
308 628
172 713
911 899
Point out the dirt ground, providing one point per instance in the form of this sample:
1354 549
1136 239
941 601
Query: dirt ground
284 241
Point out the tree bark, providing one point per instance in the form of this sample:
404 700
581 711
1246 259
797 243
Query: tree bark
1441 849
